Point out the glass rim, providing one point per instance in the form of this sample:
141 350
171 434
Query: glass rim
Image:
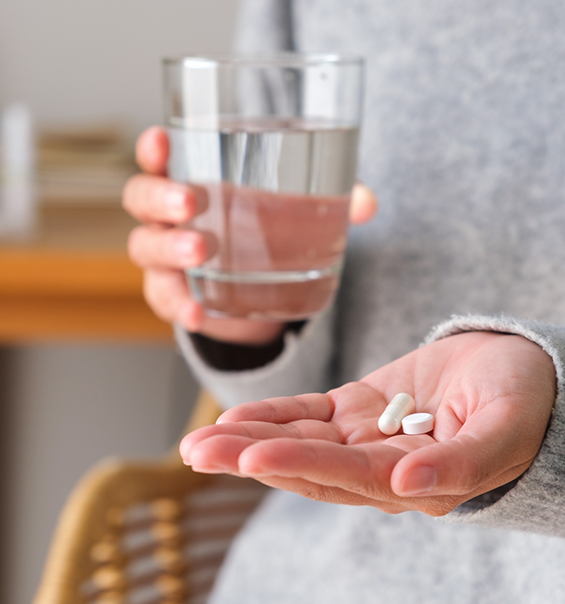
276 59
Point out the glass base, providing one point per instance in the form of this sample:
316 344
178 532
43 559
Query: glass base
264 295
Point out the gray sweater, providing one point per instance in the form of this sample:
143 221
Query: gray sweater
464 142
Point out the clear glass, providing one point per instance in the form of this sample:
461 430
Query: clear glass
269 144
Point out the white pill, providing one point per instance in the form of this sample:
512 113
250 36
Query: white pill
400 406
418 423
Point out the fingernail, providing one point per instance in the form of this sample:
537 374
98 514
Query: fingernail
419 481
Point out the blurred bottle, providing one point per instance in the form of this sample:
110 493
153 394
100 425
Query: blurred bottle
18 195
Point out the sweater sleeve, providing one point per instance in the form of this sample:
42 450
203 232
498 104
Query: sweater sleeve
535 502
302 366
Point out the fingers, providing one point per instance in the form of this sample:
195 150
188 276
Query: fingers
364 470
206 444
221 452
167 294
152 151
151 197
314 467
158 247
160 251
354 475
364 204
157 199
216 454
282 410
210 447
319 469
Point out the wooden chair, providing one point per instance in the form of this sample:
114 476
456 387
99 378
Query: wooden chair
146 532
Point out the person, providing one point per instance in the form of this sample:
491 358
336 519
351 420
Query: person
464 143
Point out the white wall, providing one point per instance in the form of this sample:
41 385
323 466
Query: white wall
63 407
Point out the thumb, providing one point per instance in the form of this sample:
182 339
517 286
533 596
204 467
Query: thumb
463 465
152 151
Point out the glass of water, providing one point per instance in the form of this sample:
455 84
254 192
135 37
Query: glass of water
269 143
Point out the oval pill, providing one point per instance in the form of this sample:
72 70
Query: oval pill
400 406
418 423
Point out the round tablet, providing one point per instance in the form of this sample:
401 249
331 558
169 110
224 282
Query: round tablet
418 423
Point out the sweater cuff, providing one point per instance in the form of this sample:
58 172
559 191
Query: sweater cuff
228 356
302 366
536 501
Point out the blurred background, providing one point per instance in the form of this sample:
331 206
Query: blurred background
86 371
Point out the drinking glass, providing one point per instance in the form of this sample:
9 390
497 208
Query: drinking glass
269 145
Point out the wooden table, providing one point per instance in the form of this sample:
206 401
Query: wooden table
72 280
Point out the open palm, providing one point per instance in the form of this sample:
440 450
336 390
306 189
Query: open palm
491 395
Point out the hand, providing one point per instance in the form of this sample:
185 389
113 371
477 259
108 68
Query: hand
163 250
491 395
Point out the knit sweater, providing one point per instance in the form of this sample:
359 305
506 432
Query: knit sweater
464 143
